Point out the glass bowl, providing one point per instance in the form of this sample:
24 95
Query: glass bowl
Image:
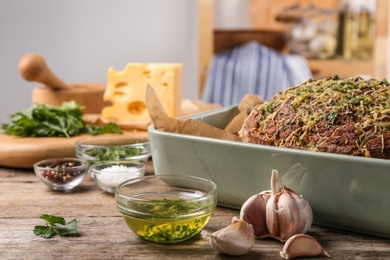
109 174
166 208
113 148
61 174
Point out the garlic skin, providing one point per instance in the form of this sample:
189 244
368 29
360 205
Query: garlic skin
302 245
253 211
287 213
236 239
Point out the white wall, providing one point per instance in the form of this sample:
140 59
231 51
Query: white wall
80 40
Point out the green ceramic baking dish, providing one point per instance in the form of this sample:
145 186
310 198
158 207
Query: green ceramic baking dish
345 192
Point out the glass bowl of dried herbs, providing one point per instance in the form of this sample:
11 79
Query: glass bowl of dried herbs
61 174
166 208
113 148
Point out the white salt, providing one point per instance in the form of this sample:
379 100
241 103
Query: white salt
116 174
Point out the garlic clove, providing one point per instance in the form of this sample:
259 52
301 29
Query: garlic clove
302 245
287 213
288 216
306 213
236 239
271 216
253 212
271 207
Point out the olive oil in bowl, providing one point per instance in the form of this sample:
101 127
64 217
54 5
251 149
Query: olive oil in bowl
166 209
181 224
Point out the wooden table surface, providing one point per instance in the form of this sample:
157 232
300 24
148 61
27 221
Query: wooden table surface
104 234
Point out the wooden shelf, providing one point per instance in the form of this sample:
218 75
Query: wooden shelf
226 39
343 68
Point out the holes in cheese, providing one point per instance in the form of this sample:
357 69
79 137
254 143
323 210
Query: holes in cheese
120 85
120 90
137 108
126 91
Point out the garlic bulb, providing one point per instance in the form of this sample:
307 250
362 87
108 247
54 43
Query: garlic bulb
287 213
236 239
302 245
253 211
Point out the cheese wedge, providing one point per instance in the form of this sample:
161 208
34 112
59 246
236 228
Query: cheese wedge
126 91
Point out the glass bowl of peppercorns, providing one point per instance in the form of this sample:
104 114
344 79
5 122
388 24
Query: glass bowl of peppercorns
61 174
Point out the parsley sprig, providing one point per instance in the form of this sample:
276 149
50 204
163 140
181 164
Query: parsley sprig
56 225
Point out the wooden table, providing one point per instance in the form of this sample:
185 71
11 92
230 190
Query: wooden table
104 234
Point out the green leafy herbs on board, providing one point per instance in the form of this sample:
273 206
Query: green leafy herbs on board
56 225
114 153
42 120
110 128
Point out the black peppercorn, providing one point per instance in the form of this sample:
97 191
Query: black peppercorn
57 173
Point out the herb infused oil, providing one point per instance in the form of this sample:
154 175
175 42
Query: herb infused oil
171 229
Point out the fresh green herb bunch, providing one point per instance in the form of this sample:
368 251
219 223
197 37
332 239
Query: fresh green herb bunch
110 128
56 225
42 120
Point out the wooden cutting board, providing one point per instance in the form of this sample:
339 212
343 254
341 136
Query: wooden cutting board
23 152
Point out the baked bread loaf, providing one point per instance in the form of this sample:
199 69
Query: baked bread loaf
344 116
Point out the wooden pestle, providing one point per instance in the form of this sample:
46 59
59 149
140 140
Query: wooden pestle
33 67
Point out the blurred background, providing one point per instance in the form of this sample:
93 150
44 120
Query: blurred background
80 40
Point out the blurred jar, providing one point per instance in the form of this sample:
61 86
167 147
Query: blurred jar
356 29
314 34
314 39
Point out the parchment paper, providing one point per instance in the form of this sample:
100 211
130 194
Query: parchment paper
162 122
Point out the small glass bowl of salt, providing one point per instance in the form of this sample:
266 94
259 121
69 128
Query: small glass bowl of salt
109 174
